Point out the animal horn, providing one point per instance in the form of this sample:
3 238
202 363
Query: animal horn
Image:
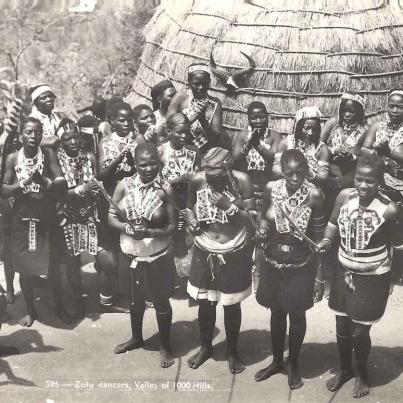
240 73
221 74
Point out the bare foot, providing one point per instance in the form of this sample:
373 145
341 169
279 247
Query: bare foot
8 350
132 344
167 358
199 358
339 379
10 296
64 316
272 369
361 388
236 366
294 379
27 320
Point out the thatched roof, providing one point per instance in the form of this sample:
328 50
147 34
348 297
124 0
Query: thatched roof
307 52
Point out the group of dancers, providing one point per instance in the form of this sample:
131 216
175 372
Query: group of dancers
133 187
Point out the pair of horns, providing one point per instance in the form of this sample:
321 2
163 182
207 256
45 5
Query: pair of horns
231 80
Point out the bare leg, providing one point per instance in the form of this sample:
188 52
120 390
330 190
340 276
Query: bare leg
345 347
207 318
232 321
107 264
297 335
137 308
8 271
278 326
163 312
74 279
362 348
27 289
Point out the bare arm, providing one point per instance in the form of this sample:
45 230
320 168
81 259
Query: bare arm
58 184
240 148
10 186
113 219
176 104
327 129
371 136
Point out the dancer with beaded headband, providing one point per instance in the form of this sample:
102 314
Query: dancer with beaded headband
344 136
385 138
33 178
43 100
203 111
218 204
145 200
254 149
179 162
291 279
77 213
115 162
366 222
306 138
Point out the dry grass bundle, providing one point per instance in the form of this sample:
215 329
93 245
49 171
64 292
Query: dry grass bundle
307 52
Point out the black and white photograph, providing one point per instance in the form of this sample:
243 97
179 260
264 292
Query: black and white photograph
201 200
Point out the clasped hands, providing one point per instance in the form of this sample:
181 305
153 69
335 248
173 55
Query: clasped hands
137 232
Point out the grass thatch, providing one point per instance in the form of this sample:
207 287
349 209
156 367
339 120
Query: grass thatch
307 52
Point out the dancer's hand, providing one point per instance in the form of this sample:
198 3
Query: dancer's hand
262 234
220 200
318 290
324 245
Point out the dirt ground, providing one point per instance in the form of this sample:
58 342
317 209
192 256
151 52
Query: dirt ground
76 363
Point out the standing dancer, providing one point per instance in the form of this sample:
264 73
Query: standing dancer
115 163
254 149
145 246
77 213
203 111
291 279
344 135
365 220
179 162
306 138
33 178
161 95
222 256
385 138
43 100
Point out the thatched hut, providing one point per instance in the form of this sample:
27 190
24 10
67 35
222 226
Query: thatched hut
306 51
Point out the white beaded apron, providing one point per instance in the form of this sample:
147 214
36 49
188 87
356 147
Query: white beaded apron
182 162
141 202
111 150
199 138
295 205
309 150
206 210
24 168
346 135
81 236
253 158
50 123
142 199
357 224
